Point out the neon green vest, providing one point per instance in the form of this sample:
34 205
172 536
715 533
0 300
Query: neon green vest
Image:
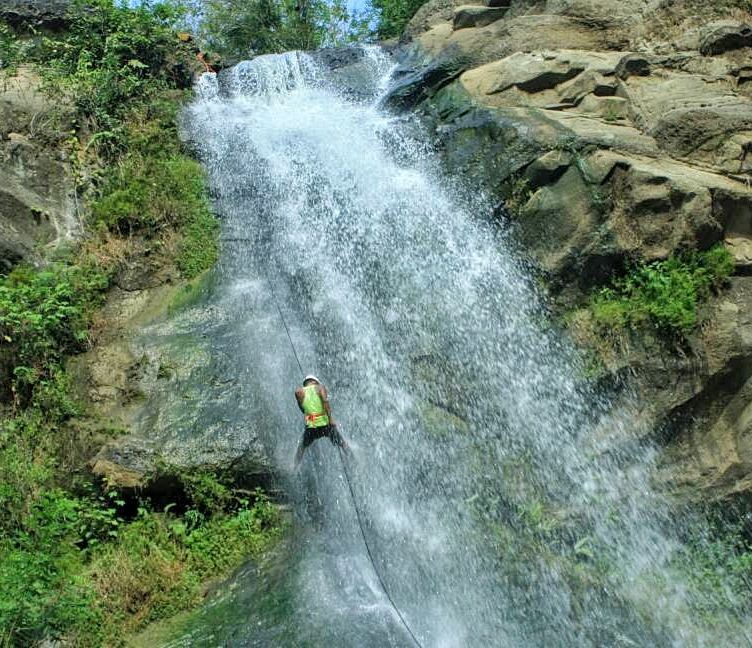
313 408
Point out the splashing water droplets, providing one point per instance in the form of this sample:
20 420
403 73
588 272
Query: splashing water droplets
495 516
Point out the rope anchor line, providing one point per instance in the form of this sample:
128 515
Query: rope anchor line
352 493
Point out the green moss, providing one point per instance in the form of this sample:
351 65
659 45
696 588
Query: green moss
152 194
199 249
189 293
665 295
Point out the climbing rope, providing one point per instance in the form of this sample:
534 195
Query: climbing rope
352 492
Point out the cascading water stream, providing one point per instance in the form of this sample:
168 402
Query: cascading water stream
500 508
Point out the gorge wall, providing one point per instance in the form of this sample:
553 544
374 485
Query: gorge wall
614 133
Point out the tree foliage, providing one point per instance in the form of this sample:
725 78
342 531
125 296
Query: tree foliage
392 16
243 28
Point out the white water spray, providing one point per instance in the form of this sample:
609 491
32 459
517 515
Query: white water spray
495 517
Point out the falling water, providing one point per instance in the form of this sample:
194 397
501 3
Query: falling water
502 503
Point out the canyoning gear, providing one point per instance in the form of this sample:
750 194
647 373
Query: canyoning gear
311 377
312 434
313 408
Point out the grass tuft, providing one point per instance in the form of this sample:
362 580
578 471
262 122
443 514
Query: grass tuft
665 294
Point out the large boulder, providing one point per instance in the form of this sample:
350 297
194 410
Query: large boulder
723 37
156 376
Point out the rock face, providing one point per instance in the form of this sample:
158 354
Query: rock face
618 131
157 377
35 14
472 16
37 203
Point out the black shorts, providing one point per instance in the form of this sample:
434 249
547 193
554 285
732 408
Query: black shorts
313 433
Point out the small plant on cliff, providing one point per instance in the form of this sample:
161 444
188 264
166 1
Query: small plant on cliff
664 294
718 568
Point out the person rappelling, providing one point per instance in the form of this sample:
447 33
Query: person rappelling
313 401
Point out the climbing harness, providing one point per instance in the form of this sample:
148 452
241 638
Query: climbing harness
352 493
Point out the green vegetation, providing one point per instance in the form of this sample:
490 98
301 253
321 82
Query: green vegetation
45 315
239 29
393 15
79 560
159 563
73 567
664 294
718 568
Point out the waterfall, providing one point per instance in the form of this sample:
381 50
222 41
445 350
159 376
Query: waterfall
502 503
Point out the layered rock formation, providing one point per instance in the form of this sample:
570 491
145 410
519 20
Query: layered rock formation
618 131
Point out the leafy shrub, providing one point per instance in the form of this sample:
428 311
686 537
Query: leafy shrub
43 594
111 55
147 194
220 544
45 315
10 48
205 492
664 294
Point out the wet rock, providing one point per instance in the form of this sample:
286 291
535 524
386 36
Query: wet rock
137 463
334 58
725 36
414 84
617 142
348 70
161 380
127 463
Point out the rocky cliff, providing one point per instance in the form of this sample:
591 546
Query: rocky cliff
37 196
614 132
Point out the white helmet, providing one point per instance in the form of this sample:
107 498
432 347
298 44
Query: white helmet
311 377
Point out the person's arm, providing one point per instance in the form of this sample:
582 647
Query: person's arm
325 400
299 398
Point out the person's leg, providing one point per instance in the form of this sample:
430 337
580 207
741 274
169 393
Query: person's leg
338 439
305 441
